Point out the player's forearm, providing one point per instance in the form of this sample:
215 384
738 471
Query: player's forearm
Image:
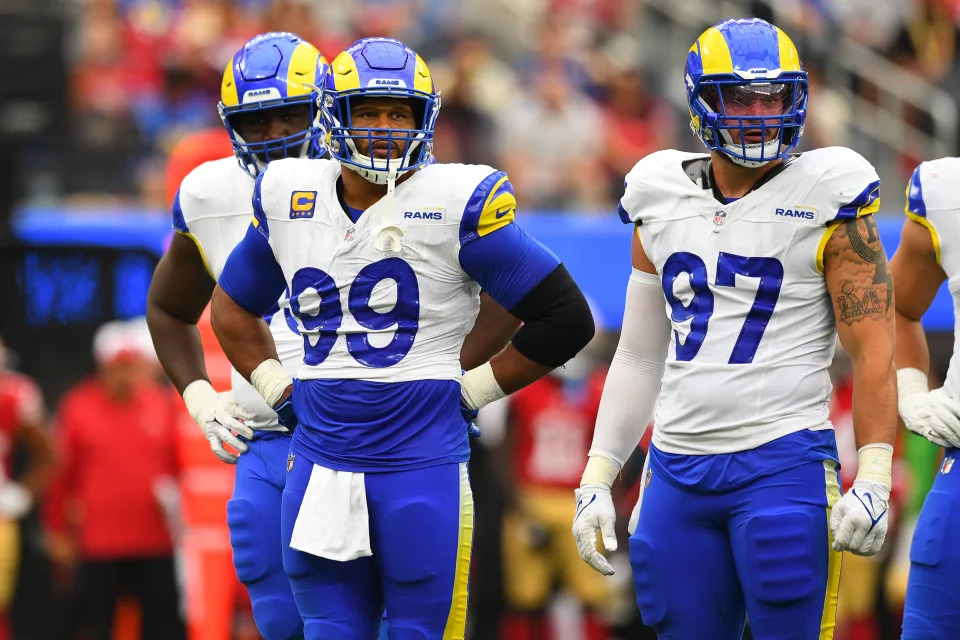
244 337
912 349
874 395
178 347
490 334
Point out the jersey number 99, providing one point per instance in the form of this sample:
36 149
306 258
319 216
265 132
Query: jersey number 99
321 313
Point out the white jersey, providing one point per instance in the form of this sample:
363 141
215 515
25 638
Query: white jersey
932 201
213 208
371 315
753 323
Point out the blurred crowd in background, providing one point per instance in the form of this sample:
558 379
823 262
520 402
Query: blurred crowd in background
565 95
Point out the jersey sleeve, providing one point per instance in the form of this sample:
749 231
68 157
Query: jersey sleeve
503 258
179 224
252 277
491 206
635 194
853 184
916 208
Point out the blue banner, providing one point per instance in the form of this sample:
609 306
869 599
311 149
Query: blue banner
596 249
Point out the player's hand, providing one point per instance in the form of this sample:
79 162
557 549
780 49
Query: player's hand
286 415
220 417
859 519
470 418
595 512
933 415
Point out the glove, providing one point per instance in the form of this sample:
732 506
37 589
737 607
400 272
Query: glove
595 512
286 415
219 417
931 414
859 519
15 501
470 417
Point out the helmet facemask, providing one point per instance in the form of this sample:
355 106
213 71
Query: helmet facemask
753 122
254 156
415 145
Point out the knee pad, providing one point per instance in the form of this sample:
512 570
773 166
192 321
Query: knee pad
277 618
249 557
930 535
647 582
408 562
779 548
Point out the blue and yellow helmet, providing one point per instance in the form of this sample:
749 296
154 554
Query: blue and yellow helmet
747 91
381 68
274 70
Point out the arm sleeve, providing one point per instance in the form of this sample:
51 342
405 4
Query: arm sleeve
252 277
633 381
508 264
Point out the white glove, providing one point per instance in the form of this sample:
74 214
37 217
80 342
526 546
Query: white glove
219 416
595 512
931 414
859 519
15 501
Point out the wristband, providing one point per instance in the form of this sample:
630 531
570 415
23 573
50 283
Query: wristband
270 380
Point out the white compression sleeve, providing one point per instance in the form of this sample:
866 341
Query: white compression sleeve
633 381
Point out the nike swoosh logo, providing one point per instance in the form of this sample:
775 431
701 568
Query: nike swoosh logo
580 509
870 509
503 212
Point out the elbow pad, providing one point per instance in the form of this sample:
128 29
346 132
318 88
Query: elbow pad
557 321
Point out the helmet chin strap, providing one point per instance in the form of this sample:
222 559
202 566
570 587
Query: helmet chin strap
766 150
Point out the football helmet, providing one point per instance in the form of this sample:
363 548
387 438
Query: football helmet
273 70
378 68
747 91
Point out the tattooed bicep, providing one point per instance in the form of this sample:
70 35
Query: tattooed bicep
855 267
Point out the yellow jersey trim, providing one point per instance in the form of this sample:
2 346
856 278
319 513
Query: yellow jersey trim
203 256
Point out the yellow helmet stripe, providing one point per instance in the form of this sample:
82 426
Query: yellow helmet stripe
714 52
789 57
345 74
302 70
228 87
422 81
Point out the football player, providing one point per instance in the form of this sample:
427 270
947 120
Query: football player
269 109
383 255
747 264
927 256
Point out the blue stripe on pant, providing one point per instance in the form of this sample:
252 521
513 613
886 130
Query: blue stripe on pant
702 562
253 514
421 527
932 608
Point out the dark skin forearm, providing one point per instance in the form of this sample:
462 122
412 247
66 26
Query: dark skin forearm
179 292
244 337
490 334
514 371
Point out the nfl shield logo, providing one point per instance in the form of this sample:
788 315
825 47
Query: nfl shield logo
290 459
719 218
947 465
349 236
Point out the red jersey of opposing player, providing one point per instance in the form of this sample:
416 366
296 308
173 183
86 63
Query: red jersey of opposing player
20 403
552 429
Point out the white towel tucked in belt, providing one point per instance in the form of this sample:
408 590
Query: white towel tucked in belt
333 522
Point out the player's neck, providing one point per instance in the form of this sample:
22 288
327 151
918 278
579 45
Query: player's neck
360 193
734 181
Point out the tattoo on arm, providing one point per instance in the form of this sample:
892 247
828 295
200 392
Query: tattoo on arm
876 257
857 274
